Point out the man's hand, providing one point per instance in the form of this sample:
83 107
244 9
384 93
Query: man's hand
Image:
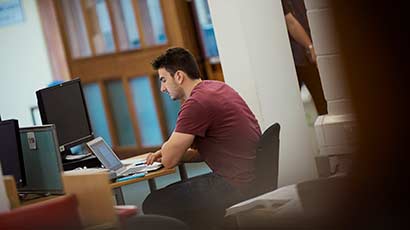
154 157
298 33
312 55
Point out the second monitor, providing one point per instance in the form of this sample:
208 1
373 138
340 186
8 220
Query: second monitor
42 162
64 106
11 156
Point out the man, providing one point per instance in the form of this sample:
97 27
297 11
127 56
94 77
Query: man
303 52
225 132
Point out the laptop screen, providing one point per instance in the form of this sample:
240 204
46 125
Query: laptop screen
106 155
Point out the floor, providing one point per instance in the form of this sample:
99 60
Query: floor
135 193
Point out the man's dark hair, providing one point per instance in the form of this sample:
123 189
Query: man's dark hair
175 59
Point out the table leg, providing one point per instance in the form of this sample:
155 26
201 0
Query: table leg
182 172
152 185
119 196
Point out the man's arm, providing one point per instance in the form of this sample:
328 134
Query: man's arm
299 34
174 149
191 155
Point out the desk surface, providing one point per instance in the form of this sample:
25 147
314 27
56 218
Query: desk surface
150 175
37 199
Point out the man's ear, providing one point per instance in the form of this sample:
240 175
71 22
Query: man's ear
179 77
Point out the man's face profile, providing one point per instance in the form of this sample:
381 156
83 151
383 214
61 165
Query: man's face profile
169 85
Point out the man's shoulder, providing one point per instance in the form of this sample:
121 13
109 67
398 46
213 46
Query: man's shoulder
202 96
212 83
192 103
211 86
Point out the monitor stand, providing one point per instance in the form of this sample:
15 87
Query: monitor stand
89 162
71 161
71 153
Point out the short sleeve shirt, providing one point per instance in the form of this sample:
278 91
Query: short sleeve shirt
287 8
298 10
226 131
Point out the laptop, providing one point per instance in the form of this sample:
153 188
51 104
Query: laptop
110 160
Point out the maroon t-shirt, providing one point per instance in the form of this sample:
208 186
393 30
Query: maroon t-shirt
226 131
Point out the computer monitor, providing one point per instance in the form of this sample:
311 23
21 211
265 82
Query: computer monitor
64 106
42 160
11 156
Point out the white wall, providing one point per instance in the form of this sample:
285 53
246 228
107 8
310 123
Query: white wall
24 65
256 60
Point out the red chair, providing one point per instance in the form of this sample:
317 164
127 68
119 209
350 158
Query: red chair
57 213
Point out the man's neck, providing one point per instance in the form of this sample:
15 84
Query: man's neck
191 85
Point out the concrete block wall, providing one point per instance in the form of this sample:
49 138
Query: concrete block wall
337 130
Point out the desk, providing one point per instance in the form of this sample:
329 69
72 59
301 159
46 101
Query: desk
37 199
117 186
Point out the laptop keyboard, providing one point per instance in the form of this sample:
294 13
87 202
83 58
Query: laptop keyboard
132 171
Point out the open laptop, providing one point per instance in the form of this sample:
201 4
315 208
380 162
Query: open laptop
110 161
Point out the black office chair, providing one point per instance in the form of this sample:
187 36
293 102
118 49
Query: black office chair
267 161
267 164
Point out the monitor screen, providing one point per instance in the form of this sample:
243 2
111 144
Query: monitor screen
42 160
105 154
11 156
64 106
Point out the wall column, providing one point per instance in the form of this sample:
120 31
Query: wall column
257 61
335 131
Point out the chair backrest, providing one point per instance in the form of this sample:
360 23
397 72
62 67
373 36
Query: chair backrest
94 194
11 191
56 213
267 160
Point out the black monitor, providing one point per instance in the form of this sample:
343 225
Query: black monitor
64 106
11 156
